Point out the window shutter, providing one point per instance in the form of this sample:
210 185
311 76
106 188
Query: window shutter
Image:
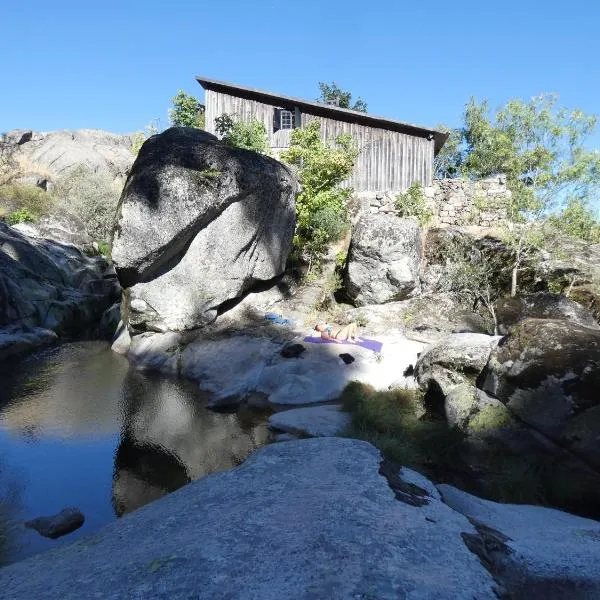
276 119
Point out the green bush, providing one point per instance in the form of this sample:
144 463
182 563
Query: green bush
30 198
578 220
321 205
250 135
92 197
20 216
412 203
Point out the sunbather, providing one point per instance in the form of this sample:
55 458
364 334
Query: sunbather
345 333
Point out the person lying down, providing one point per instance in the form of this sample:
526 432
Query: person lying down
336 333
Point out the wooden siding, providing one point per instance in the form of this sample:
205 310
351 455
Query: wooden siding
388 160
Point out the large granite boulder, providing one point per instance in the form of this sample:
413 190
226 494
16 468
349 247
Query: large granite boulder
383 259
305 519
44 157
448 371
541 305
547 372
198 224
44 286
321 518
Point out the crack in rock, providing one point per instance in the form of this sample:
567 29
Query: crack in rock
409 493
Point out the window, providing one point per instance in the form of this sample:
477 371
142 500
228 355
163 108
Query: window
286 119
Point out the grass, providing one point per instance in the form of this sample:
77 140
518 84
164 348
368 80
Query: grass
394 421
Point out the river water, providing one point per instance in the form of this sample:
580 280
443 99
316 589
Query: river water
79 427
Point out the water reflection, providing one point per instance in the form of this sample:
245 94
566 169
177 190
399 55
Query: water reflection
169 439
78 427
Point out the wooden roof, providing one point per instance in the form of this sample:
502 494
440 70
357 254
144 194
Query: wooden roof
324 110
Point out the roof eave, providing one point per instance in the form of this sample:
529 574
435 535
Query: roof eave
318 109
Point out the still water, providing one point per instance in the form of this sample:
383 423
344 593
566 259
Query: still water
79 427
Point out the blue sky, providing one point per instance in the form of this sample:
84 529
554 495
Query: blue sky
116 65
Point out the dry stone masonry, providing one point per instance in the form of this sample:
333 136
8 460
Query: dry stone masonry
453 201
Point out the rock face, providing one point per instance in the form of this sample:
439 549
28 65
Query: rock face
542 305
311 519
316 421
321 518
66 521
449 369
383 260
241 368
547 372
43 158
61 227
198 224
47 285
538 552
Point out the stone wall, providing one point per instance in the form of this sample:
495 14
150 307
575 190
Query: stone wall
463 202
452 201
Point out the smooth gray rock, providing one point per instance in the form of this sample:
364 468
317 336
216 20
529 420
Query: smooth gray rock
305 519
383 259
547 372
51 155
66 521
197 225
316 421
61 227
546 554
450 368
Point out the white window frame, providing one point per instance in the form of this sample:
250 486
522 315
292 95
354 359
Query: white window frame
288 115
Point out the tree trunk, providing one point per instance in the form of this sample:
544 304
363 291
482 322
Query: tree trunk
513 283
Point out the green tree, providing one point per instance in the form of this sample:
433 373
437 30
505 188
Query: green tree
321 205
250 135
578 220
449 159
332 94
186 111
540 148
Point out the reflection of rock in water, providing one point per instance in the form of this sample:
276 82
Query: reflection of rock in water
169 438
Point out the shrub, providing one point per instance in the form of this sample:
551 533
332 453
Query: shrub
30 198
412 203
92 197
20 216
250 135
321 205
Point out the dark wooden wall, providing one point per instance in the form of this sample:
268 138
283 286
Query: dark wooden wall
388 160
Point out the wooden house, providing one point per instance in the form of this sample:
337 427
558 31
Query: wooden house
393 154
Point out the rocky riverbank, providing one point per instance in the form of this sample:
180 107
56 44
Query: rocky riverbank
321 518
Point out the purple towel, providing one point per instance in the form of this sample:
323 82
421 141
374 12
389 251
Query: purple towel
366 343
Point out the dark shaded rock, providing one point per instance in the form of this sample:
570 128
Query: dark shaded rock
66 521
199 224
541 305
48 285
292 350
449 370
347 358
547 372
383 259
